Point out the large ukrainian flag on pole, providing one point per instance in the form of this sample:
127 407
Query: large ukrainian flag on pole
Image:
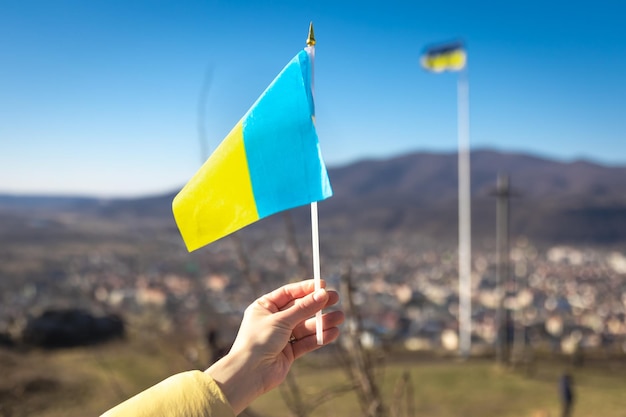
269 162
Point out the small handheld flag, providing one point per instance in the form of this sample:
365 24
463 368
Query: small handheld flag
448 57
269 162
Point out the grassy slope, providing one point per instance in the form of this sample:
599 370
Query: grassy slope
475 388
84 382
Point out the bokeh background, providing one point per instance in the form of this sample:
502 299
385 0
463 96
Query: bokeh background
107 108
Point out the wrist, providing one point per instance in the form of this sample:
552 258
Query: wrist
235 376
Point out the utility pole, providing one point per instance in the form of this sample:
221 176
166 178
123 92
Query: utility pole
503 194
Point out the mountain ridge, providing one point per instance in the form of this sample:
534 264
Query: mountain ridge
554 201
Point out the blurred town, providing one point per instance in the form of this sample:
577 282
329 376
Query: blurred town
559 299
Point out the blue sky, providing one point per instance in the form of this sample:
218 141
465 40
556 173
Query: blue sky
106 97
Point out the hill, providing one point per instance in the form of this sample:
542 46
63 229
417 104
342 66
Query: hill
554 202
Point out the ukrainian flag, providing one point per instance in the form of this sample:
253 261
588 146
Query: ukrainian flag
449 57
269 162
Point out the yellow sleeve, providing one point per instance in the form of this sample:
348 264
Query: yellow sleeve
188 394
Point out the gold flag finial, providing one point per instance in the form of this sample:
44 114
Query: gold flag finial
310 41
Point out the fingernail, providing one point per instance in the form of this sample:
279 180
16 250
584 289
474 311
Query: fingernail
319 295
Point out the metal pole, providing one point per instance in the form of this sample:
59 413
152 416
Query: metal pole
502 260
465 248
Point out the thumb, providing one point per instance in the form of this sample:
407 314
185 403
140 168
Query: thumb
305 308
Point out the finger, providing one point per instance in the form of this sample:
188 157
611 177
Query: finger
305 307
333 298
308 328
281 297
309 343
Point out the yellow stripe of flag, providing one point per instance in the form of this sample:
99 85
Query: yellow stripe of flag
220 191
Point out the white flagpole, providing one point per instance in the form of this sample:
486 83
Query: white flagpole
315 239
465 248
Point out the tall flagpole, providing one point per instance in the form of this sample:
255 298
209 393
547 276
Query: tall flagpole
452 57
465 245
319 329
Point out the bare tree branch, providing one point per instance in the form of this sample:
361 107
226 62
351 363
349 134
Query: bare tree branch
361 367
